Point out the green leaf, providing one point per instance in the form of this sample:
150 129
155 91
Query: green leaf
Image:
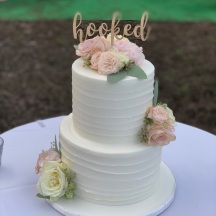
113 78
155 93
76 46
56 146
41 196
136 71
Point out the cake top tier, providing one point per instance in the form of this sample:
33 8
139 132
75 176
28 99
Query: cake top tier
110 113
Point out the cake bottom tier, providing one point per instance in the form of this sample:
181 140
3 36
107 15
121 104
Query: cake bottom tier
151 206
110 174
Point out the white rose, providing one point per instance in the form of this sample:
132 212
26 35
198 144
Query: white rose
52 182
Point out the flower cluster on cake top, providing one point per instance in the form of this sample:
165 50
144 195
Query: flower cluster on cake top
122 59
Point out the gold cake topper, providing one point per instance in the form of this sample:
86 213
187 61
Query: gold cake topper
140 31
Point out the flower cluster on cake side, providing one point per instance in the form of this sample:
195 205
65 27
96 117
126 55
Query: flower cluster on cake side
122 59
56 179
159 123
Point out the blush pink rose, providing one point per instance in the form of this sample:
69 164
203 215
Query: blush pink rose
158 114
109 63
91 46
50 155
94 60
131 50
160 136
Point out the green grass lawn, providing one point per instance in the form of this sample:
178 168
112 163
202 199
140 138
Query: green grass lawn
176 10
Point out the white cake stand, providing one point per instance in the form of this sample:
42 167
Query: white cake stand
151 206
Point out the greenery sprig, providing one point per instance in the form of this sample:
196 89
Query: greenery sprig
156 84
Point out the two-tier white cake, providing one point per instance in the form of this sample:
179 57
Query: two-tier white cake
113 138
100 140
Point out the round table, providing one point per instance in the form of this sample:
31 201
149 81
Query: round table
192 158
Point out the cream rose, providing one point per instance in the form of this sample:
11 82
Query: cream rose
158 114
171 116
50 155
52 164
123 58
97 44
109 63
52 182
160 136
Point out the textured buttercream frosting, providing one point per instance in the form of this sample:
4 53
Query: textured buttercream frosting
108 174
100 141
110 113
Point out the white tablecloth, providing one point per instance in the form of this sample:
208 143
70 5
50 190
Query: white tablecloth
192 158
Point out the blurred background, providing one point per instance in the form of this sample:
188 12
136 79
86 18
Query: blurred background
36 53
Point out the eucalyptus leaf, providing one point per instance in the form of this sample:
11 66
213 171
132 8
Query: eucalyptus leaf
115 77
41 196
136 71
76 46
155 93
